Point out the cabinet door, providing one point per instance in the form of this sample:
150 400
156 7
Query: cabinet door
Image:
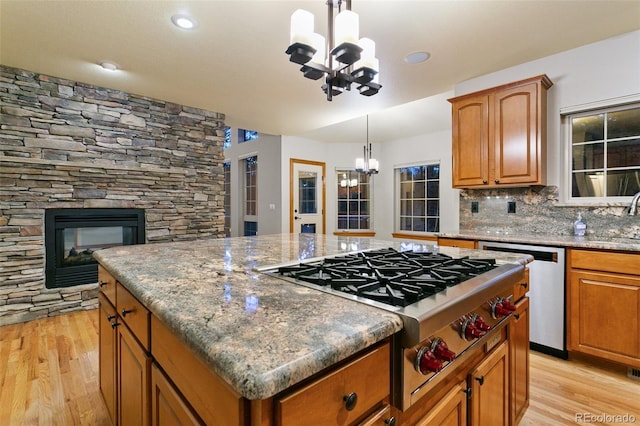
489 384
470 141
516 143
519 360
450 411
107 354
167 406
133 380
604 315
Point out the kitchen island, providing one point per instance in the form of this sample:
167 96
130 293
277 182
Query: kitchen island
258 335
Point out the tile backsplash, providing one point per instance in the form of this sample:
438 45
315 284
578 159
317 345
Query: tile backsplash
537 211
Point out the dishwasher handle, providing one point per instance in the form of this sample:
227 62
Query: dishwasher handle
544 256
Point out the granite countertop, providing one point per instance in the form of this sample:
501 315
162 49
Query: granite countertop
261 334
592 242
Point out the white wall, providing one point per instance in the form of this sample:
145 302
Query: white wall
604 70
267 148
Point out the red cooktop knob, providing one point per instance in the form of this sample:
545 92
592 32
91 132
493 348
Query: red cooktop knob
480 323
508 305
472 332
441 350
426 361
500 311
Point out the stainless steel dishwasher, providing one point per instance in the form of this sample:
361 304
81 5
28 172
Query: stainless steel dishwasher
547 331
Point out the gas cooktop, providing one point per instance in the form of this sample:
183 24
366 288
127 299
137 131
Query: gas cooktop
397 278
428 290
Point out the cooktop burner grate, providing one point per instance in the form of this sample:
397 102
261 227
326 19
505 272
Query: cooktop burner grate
389 276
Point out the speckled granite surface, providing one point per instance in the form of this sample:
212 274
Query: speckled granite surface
259 333
592 242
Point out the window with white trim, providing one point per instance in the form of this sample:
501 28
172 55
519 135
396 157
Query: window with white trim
604 153
354 200
418 198
250 183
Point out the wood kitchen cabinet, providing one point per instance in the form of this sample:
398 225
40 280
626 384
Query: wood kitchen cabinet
450 410
519 361
458 242
489 384
168 408
107 353
125 364
499 135
604 305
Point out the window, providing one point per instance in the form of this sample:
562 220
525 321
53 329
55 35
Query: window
354 200
246 135
227 199
418 200
250 195
604 147
227 138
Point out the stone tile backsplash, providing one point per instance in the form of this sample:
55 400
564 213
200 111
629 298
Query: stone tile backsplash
538 212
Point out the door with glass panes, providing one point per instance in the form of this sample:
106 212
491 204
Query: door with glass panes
307 203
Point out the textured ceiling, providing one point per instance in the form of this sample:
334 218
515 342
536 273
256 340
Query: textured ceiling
234 62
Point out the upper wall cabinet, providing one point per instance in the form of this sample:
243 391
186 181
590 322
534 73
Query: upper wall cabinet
499 135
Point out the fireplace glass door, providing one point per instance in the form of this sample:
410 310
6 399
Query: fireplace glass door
73 235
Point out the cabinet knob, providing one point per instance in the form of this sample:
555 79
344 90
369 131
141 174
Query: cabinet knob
484 181
524 284
125 312
496 180
101 283
480 380
350 401
110 317
114 324
390 421
517 316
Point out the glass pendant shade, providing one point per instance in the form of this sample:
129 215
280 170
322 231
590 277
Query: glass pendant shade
347 27
301 27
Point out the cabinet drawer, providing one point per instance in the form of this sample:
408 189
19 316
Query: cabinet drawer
621 263
457 242
107 284
134 315
322 402
521 289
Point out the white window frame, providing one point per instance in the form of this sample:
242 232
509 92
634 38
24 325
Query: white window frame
337 172
566 114
396 196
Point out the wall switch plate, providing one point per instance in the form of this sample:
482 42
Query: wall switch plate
474 207
511 206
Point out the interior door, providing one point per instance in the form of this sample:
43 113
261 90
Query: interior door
307 196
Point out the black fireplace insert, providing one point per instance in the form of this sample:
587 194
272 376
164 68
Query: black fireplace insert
72 235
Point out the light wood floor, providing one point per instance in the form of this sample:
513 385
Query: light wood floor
49 376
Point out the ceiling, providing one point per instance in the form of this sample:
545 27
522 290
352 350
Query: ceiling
234 61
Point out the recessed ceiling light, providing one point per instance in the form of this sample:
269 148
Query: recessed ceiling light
183 21
110 66
416 57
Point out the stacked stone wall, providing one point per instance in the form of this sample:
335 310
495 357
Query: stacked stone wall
65 144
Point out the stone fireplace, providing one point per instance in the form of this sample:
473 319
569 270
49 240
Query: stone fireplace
69 145
72 235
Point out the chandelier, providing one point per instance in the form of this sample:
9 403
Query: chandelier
367 165
343 59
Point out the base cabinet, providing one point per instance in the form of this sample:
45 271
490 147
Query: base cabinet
167 406
107 354
450 411
489 384
604 305
134 367
519 361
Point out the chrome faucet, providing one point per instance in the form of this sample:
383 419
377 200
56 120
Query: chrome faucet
633 208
